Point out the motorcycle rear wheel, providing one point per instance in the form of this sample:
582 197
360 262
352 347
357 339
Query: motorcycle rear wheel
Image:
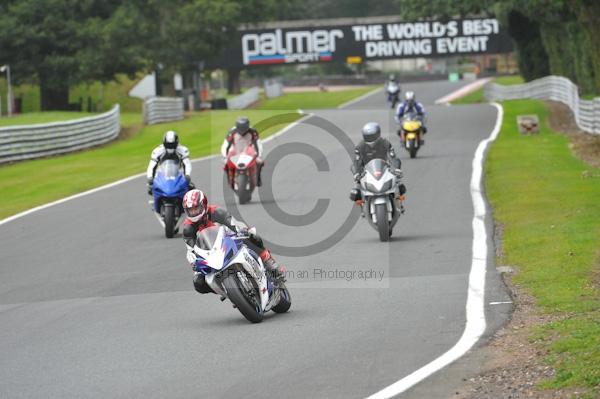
238 296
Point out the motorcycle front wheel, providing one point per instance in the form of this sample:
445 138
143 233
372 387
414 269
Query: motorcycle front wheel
383 226
169 220
245 301
243 192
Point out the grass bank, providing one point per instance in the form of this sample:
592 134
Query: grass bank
312 99
548 202
31 183
127 118
477 95
27 184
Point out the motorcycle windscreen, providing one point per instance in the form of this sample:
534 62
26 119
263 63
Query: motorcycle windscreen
169 169
376 168
169 181
207 237
412 116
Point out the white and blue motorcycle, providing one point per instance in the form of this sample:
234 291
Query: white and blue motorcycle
236 272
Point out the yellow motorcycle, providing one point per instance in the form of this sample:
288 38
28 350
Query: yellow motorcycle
413 135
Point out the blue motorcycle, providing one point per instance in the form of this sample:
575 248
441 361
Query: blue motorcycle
168 190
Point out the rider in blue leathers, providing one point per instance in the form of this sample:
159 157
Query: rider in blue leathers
408 106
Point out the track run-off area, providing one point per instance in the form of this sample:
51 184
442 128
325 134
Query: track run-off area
95 302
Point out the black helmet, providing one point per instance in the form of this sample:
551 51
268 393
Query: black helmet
242 125
170 141
371 132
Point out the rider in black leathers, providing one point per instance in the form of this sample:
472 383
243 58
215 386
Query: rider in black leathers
373 146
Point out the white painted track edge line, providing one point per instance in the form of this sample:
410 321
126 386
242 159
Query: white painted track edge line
129 178
471 87
360 98
475 306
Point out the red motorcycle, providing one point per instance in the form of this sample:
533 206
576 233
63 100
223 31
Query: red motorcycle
241 169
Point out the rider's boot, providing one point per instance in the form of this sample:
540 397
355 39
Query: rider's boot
278 272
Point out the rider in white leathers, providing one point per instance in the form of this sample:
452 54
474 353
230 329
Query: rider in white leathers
169 149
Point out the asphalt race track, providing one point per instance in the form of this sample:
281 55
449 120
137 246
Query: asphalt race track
95 302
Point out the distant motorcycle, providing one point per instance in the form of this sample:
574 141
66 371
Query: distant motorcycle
412 127
168 190
241 169
380 197
234 271
393 94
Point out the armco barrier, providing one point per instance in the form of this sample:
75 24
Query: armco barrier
35 141
273 89
556 88
244 100
162 109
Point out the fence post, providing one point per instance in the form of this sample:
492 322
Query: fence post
596 115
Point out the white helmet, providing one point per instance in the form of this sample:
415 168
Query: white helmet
170 141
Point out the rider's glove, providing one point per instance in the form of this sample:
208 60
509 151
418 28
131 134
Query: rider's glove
188 179
398 173
424 129
150 187
242 230
191 257
357 177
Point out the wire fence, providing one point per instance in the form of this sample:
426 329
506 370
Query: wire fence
556 88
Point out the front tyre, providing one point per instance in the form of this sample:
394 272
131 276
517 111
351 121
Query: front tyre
383 226
246 302
244 193
284 302
169 220
413 151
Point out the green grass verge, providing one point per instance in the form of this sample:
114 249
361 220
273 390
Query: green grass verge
127 118
42 117
477 95
549 204
27 184
312 100
31 183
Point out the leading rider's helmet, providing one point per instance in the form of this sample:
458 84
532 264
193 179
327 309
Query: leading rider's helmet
371 132
170 141
195 205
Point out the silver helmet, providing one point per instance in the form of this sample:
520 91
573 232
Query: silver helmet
371 132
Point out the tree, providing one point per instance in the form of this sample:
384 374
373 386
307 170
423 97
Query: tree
551 36
59 43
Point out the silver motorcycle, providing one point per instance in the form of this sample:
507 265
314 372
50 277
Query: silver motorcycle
380 197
